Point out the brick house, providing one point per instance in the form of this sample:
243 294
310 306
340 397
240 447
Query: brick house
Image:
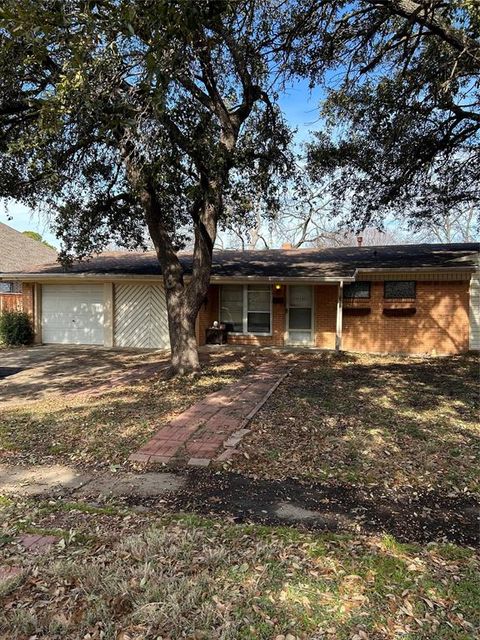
17 253
417 299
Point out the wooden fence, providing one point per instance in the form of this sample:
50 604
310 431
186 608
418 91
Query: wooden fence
10 302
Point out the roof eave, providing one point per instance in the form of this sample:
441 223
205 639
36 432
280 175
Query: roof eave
469 268
40 277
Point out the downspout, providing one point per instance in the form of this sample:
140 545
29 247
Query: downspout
338 332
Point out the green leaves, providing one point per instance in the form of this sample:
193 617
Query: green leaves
104 99
404 111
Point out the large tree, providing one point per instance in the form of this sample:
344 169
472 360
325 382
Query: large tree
403 103
118 115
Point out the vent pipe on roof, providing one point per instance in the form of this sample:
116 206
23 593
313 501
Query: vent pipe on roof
287 245
359 241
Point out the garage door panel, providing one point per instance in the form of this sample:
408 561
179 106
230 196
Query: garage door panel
140 317
72 314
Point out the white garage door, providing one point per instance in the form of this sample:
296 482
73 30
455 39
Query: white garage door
140 317
72 314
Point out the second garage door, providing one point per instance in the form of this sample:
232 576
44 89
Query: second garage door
140 317
72 314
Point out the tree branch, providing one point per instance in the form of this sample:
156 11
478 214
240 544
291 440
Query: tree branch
429 18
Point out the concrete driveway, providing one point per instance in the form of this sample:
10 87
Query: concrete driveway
33 373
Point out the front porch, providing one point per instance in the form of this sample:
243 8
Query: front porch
275 315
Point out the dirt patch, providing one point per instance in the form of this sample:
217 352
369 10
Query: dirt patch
407 515
136 484
9 371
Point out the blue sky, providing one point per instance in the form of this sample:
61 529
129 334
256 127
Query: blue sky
23 219
299 105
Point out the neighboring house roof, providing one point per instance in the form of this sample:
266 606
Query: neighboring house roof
19 252
335 263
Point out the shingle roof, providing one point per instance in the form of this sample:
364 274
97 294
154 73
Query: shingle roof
19 253
319 263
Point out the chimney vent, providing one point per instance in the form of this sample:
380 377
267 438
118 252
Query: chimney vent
359 241
286 246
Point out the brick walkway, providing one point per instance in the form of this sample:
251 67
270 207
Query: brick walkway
37 543
211 428
9 572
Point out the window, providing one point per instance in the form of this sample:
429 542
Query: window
356 290
6 287
231 306
246 308
258 309
300 305
394 289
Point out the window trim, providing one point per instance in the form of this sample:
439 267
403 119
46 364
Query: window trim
349 298
414 297
245 311
9 285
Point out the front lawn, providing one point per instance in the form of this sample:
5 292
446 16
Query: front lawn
127 573
123 575
106 428
357 419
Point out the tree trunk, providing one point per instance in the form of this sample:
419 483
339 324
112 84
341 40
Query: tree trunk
183 343
184 300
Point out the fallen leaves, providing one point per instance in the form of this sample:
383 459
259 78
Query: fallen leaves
141 577
371 420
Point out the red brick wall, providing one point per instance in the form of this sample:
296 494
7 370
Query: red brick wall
325 316
11 302
27 297
439 326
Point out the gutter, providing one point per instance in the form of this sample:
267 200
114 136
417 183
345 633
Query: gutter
282 280
45 277
42 277
470 269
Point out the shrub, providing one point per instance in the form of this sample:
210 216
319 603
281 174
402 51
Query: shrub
15 328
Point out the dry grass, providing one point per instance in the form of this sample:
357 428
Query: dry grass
125 576
371 420
105 429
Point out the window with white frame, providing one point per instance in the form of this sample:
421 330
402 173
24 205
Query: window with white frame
246 308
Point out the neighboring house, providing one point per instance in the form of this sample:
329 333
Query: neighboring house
422 299
18 253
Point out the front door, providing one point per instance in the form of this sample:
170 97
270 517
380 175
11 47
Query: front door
300 315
